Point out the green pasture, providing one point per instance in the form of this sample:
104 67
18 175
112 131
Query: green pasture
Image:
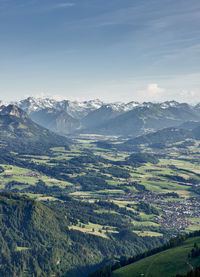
166 263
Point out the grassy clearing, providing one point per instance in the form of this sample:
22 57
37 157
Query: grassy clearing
88 231
21 248
120 191
195 219
94 229
123 203
148 234
81 193
102 211
193 227
144 223
22 175
46 198
147 217
114 182
153 176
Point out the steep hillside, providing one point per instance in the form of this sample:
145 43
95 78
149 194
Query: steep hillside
35 241
39 240
168 263
102 115
189 125
18 131
57 121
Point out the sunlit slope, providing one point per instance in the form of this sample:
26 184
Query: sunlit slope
166 263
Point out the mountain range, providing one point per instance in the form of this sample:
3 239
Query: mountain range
96 117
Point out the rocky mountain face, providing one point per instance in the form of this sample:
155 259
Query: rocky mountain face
75 109
63 116
94 116
56 120
18 131
102 115
13 110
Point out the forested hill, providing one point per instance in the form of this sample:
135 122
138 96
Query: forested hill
36 239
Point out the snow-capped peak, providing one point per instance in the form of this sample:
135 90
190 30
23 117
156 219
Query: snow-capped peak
77 109
74 108
131 105
35 104
12 110
122 107
168 104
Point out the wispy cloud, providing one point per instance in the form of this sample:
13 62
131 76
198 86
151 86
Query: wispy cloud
32 6
57 6
64 5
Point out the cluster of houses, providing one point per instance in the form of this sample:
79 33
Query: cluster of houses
177 213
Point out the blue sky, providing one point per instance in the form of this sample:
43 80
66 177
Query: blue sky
116 50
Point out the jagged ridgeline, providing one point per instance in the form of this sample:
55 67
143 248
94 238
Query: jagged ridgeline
96 117
18 133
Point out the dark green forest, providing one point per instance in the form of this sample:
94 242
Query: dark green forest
36 240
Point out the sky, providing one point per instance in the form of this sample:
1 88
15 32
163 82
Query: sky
114 50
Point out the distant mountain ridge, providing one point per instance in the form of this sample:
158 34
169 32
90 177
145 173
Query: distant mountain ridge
147 117
56 120
73 108
97 117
